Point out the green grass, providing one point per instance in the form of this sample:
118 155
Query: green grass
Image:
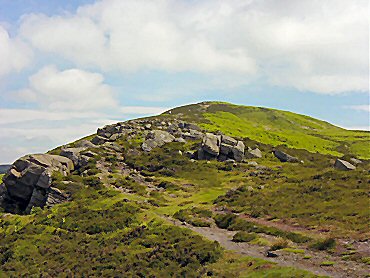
327 263
232 265
276 127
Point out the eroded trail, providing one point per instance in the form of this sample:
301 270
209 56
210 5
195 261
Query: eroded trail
340 269
310 260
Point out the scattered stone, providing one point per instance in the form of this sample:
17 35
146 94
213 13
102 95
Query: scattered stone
156 138
148 126
270 254
250 188
343 165
98 140
284 157
84 144
73 154
112 146
115 137
180 140
252 163
254 153
192 135
189 126
355 160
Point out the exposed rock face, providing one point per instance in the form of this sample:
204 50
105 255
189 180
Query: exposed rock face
284 157
28 183
343 165
156 138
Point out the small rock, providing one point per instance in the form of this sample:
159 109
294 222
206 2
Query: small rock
284 157
270 254
343 165
254 153
180 140
355 160
98 140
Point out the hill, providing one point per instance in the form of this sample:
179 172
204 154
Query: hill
210 189
276 127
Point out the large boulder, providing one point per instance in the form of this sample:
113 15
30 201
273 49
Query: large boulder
284 157
211 144
343 165
28 182
156 138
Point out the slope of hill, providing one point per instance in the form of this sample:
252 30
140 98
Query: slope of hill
159 197
276 127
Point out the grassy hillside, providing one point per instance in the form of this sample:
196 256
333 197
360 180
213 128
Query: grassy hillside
162 214
276 127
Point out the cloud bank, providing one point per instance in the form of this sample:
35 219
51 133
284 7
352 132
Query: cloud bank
319 46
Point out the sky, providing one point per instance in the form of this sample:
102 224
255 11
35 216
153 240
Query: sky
69 67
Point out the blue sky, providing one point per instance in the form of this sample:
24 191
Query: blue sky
69 67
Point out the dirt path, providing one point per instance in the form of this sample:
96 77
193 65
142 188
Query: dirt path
361 247
340 269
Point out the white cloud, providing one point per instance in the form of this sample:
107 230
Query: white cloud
142 110
15 55
320 46
365 107
68 90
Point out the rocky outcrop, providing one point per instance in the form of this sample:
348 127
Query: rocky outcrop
343 165
284 157
156 138
28 183
221 147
